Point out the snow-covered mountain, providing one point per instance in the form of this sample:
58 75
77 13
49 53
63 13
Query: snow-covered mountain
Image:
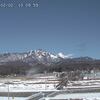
39 61
32 57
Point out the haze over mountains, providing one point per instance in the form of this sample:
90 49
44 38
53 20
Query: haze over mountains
40 61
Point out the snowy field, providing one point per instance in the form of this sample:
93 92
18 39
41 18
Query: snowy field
83 96
37 85
41 85
10 98
17 85
26 87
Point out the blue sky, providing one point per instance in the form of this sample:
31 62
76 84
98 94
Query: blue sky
68 26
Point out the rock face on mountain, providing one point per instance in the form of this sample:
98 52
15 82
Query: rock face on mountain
40 61
31 57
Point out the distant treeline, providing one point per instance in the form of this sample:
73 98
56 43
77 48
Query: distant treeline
22 68
76 65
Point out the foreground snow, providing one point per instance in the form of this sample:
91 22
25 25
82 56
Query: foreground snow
84 96
26 87
42 85
17 85
10 98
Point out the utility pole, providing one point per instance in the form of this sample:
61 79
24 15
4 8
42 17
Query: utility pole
8 91
45 80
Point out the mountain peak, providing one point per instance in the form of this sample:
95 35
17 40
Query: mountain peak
39 56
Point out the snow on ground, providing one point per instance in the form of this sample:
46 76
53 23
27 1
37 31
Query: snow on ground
42 85
84 84
32 85
84 96
37 85
11 98
25 87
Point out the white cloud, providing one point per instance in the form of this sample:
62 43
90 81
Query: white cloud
65 56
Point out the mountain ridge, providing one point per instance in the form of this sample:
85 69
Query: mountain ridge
39 55
40 61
